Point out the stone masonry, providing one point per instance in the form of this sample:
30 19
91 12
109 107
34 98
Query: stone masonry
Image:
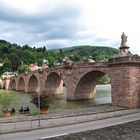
80 80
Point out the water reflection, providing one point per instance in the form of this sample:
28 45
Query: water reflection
103 96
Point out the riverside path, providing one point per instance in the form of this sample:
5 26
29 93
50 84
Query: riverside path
67 129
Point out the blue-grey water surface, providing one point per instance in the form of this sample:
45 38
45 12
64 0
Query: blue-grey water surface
103 96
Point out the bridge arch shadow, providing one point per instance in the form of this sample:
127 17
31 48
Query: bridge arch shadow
21 84
12 84
33 84
54 84
86 87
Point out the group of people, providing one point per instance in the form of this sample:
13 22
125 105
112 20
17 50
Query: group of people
25 110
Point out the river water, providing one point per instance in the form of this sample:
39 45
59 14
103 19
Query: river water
103 96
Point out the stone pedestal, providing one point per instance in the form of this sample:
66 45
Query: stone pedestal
124 50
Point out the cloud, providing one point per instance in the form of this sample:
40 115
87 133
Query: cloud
57 23
60 23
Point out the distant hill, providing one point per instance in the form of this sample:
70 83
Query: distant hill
13 55
96 52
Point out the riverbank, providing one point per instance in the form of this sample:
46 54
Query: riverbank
126 131
67 117
64 113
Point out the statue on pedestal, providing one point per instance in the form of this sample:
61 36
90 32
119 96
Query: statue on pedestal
124 40
124 49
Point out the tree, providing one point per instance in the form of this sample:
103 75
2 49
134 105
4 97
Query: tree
104 80
16 62
28 57
23 68
50 61
74 58
61 53
7 66
25 47
5 50
17 54
39 49
44 49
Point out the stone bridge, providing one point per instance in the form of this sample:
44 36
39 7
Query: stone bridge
80 80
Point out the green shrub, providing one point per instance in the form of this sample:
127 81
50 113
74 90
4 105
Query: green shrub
45 100
5 101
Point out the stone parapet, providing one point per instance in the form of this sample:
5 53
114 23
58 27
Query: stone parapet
102 64
125 61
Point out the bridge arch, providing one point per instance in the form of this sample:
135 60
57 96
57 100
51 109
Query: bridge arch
54 83
13 84
21 84
33 83
85 88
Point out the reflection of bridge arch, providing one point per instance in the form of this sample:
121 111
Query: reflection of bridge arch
21 84
85 89
13 84
54 84
33 84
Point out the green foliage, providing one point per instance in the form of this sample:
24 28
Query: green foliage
96 52
15 60
7 66
28 57
45 100
23 68
74 58
5 101
14 55
104 80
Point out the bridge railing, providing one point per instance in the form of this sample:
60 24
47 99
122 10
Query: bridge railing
93 64
124 60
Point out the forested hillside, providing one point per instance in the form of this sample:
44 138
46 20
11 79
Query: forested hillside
98 53
12 55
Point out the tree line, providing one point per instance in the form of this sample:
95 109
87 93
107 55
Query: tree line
13 56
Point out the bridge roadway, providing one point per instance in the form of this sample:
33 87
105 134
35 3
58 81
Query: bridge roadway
67 129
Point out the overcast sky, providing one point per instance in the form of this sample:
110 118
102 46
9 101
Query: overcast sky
64 23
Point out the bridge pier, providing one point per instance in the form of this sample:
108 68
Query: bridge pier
7 83
82 96
125 84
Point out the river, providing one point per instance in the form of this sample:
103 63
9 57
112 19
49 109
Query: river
103 96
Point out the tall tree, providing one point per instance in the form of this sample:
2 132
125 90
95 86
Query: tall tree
16 62
7 66
44 49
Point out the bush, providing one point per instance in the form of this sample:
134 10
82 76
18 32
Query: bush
45 100
5 101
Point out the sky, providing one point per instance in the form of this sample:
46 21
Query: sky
66 23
